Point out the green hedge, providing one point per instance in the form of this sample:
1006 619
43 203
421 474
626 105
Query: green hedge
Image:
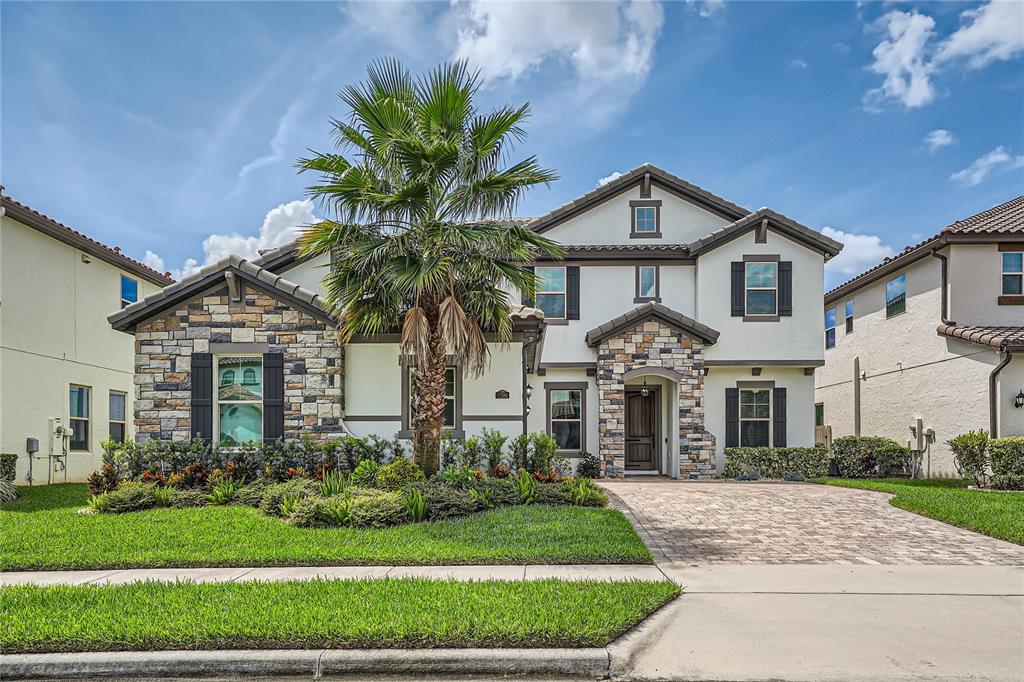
869 456
8 466
789 463
1006 457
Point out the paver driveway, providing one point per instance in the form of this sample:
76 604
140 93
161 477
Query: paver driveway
790 523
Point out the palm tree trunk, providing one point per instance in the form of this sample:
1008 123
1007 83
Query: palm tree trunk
430 401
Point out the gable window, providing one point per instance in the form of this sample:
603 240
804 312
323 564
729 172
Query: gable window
551 292
830 328
646 218
239 410
1013 273
117 416
896 296
849 316
567 407
79 417
762 289
648 281
755 417
129 291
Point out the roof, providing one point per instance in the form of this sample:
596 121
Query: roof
828 246
616 251
191 286
650 311
999 223
32 218
1002 338
698 195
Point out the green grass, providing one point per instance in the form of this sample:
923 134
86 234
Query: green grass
999 515
324 613
42 531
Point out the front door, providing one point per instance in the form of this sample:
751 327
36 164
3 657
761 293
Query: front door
642 430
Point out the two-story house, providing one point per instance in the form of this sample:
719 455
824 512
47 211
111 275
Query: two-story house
929 343
66 378
676 325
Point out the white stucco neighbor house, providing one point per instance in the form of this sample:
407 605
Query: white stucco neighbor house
930 343
677 324
65 375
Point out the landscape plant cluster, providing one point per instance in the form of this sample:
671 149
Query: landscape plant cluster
8 462
791 464
361 483
871 457
997 462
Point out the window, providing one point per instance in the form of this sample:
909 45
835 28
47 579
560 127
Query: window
79 417
849 316
830 328
896 296
819 414
755 417
761 288
551 292
646 219
1013 273
647 281
239 410
567 409
450 397
129 291
117 416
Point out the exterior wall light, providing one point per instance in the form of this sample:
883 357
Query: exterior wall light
644 391
1018 402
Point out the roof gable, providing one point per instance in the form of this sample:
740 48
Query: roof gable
765 218
652 311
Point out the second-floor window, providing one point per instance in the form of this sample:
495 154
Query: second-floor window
1013 273
849 316
129 291
646 283
551 292
762 288
646 219
896 296
830 328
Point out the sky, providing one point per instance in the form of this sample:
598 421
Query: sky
172 129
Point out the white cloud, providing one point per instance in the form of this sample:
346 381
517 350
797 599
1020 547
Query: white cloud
937 139
999 159
995 32
901 58
860 252
278 147
608 178
280 226
798 63
707 8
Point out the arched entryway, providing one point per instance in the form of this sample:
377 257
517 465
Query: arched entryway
651 435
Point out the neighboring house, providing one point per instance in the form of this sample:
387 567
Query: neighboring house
65 375
677 324
930 343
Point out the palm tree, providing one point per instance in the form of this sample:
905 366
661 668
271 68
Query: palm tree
422 193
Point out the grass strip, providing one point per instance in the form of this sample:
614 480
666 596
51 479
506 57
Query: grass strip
996 514
413 613
42 531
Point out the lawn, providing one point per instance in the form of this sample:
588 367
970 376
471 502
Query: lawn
1000 515
41 530
324 613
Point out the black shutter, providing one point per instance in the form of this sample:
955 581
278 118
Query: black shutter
202 396
572 292
526 300
273 397
732 417
779 417
785 288
738 307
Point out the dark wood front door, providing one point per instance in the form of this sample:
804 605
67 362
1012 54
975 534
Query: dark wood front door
642 430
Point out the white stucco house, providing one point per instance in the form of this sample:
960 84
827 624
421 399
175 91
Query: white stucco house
677 324
930 343
66 378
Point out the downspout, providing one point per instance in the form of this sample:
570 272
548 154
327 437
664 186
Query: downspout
944 306
993 403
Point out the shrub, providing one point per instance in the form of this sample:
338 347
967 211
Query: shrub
378 510
1007 459
366 472
588 466
104 480
270 504
552 493
527 487
192 475
502 492
457 477
519 452
97 503
445 502
8 466
336 511
780 463
398 474
585 494
289 503
493 443
857 455
224 492
129 497
162 497
892 460
332 483
352 450
301 511
542 451
186 497
969 455
8 491
416 504
471 454
251 495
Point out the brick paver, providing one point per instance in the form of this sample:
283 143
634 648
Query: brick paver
790 523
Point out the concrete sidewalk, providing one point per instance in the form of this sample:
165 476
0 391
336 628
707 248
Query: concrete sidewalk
607 572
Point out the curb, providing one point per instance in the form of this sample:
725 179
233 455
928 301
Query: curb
315 663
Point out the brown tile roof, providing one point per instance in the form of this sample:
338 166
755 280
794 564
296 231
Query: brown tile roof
829 246
1005 218
40 221
1003 338
652 311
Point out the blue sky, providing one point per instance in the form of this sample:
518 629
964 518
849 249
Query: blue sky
171 129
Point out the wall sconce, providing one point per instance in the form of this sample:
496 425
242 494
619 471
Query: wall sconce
1018 402
644 391
529 391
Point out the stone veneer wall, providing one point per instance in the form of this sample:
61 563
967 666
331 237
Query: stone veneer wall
653 344
313 363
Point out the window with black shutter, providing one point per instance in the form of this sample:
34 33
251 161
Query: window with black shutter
273 396
732 417
779 417
202 396
572 292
